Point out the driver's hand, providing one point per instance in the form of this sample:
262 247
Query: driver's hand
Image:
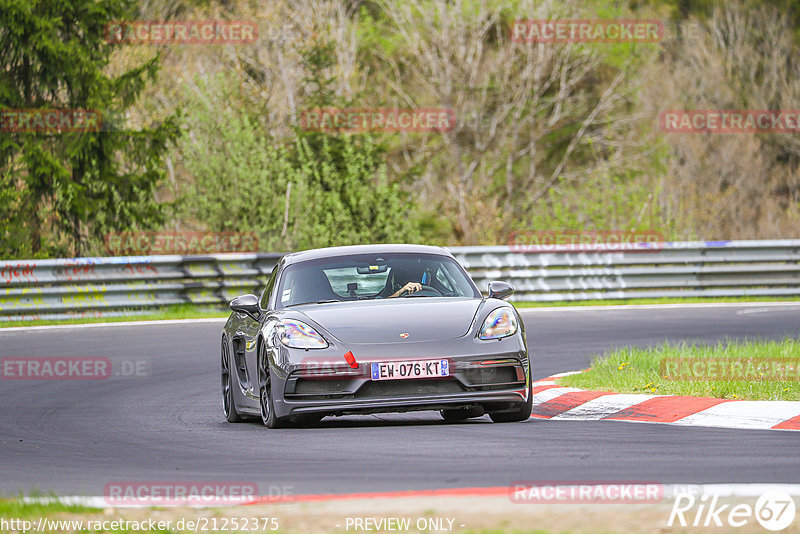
411 287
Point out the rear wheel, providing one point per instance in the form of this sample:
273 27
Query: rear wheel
228 401
522 411
268 416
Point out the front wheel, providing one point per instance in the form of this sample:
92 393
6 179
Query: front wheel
522 412
268 416
228 401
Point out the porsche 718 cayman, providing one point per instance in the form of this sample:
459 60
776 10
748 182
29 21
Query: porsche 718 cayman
374 328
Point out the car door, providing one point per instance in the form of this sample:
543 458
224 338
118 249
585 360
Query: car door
244 343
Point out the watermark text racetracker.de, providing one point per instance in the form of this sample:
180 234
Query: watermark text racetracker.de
567 241
752 368
181 32
179 242
190 493
585 492
70 368
359 120
586 31
150 524
50 120
730 121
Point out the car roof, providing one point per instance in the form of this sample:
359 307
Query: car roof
330 252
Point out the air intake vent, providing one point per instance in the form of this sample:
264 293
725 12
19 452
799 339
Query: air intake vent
408 388
306 386
490 375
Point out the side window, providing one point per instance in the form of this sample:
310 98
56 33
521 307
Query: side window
268 289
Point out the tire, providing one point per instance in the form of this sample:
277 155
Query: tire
268 416
522 412
226 378
456 415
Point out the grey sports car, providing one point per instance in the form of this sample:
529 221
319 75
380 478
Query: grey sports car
374 328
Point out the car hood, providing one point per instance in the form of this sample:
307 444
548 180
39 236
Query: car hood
383 321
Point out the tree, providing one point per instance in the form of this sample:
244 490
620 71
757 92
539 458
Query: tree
73 185
742 185
534 122
304 191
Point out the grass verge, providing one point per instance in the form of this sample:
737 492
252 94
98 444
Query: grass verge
753 370
26 510
17 517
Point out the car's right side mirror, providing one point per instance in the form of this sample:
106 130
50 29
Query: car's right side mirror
500 290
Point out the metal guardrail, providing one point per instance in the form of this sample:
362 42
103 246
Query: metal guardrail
102 287
672 269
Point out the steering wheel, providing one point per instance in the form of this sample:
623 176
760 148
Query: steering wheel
426 291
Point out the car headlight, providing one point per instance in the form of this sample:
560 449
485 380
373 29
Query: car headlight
299 335
499 324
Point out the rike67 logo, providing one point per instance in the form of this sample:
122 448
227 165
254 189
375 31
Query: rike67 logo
774 510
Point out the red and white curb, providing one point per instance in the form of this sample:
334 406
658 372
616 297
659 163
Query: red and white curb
552 401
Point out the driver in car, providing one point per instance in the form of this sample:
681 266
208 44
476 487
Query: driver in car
412 287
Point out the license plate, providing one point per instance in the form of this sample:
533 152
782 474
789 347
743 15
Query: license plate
410 369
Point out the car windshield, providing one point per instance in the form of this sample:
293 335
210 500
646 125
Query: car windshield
372 276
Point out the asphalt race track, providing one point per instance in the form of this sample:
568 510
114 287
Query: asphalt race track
74 437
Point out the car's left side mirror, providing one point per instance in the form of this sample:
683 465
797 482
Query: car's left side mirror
246 304
500 290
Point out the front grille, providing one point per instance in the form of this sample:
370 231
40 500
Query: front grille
408 388
490 375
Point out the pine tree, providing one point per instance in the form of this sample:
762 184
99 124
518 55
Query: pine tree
62 189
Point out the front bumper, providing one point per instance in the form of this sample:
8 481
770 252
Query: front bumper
496 382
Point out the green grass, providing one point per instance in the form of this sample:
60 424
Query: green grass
19 509
682 300
659 370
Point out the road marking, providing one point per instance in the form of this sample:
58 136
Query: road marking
565 402
666 409
604 406
745 414
789 424
550 394
562 403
